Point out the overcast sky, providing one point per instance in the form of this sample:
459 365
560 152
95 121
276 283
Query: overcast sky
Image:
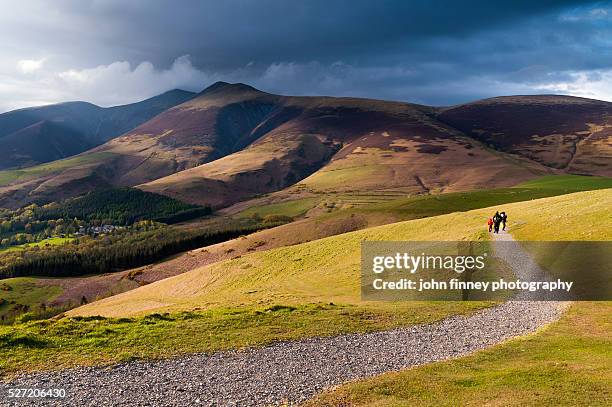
434 52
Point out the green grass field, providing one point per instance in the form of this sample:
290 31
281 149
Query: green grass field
570 183
422 206
566 364
293 208
328 269
24 291
8 176
280 295
332 179
52 241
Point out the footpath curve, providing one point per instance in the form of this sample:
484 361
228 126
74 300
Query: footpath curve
290 372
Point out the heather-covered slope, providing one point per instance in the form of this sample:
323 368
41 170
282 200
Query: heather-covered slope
565 132
383 147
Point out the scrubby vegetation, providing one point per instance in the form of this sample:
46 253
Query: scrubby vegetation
8 176
22 296
293 208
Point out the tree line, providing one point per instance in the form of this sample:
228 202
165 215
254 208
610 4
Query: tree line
114 253
121 206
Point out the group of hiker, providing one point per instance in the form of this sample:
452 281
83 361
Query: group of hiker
497 220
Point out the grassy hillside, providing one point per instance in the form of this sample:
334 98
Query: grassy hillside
270 164
336 213
433 205
291 208
569 183
320 271
319 224
90 267
566 364
225 314
328 269
413 165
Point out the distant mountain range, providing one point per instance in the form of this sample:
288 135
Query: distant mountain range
232 141
41 134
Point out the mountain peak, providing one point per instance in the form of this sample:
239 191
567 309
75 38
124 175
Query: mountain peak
225 87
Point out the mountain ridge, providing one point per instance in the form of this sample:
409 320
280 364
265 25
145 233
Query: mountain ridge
232 141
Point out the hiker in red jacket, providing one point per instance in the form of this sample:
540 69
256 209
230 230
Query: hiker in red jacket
490 223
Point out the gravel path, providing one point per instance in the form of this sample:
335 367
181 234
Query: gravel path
295 371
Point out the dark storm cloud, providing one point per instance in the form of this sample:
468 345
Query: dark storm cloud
437 52
224 34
